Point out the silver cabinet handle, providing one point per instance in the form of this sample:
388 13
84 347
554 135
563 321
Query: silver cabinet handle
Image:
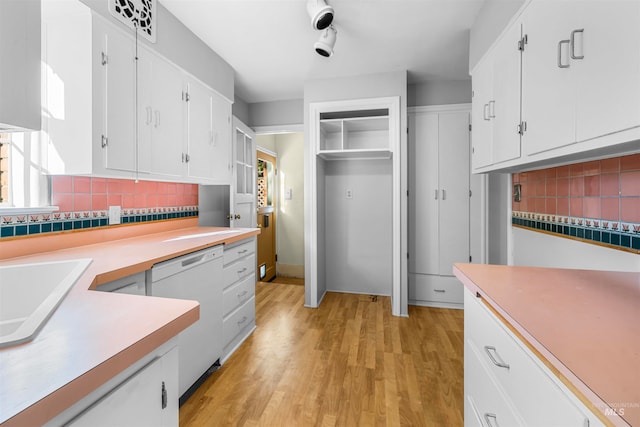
243 293
242 271
488 417
435 194
485 114
444 194
149 113
241 321
497 360
573 44
439 290
244 251
157 123
560 43
492 109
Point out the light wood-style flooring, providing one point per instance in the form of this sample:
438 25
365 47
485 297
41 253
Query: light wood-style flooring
348 363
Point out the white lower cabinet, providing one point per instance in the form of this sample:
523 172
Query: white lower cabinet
506 384
147 398
238 295
144 394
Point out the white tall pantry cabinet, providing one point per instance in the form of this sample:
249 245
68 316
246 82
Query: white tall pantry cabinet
440 196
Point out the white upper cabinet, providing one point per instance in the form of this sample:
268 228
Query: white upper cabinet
160 115
579 93
88 101
209 133
608 75
548 88
116 109
20 72
116 91
496 103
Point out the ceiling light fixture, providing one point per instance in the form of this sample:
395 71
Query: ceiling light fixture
324 46
321 14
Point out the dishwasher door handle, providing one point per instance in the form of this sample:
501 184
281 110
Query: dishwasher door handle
190 261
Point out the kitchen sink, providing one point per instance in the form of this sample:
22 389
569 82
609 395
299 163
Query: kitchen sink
30 293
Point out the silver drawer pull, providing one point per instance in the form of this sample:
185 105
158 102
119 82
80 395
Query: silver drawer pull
497 360
244 251
439 290
573 44
488 417
243 293
244 319
242 271
193 260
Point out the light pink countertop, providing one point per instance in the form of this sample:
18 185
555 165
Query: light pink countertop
93 336
585 323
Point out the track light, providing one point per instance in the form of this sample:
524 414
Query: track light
321 14
324 46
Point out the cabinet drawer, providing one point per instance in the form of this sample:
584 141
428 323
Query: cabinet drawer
238 251
424 287
238 270
485 403
235 295
238 320
537 398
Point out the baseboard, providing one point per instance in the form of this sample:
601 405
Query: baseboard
290 270
438 304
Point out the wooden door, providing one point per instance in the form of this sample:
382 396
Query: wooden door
266 184
243 205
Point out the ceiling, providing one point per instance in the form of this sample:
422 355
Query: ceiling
269 43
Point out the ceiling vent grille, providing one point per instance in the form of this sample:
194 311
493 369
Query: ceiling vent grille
136 14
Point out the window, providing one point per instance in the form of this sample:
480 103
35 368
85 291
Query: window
23 185
4 168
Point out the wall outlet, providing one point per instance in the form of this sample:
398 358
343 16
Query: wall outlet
349 193
114 214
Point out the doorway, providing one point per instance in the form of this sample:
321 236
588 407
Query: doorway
266 186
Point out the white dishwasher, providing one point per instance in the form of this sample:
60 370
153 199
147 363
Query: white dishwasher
194 276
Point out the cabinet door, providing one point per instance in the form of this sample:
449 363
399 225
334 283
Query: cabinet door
548 89
482 81
118 95
244 180
138 400
608 77
504 106
167 141
453 220
209 127
424 191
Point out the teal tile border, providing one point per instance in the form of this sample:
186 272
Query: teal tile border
32 227
615 238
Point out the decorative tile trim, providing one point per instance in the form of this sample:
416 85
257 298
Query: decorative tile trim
624 236
23 225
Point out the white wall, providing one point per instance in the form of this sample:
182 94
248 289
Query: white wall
276 113
491 20
290 228
499 221
345 88
178 44
439 92
267 141
531 248
358 246
240 109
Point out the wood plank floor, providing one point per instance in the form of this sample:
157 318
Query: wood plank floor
348 363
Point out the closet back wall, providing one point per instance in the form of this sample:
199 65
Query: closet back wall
358 233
